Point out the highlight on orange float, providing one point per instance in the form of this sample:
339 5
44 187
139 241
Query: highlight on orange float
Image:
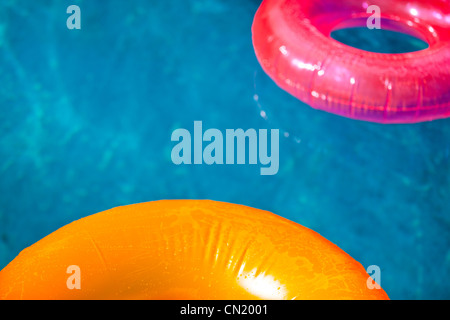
185 249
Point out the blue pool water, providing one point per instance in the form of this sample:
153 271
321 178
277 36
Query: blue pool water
86 119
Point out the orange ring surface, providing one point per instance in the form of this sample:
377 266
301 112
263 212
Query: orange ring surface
185 249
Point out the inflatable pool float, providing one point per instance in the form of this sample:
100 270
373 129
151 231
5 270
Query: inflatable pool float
292 42
185 249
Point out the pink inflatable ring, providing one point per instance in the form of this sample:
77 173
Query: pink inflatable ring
293 45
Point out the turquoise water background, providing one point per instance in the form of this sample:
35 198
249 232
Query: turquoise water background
86 118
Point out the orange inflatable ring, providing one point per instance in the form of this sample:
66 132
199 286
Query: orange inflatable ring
185 249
